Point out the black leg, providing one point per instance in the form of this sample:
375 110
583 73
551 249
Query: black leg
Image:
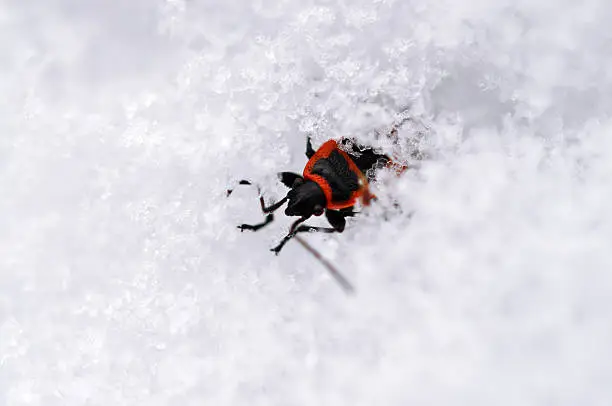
307 228
273 207
290 235
255 227
269 218
302 229
296 228
348 211
265 209
309 149
336 219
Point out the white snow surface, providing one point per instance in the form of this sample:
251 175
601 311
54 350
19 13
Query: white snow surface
123 277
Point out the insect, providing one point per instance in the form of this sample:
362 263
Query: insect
335 178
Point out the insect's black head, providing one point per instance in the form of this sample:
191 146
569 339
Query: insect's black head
305 199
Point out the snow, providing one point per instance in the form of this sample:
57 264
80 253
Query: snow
123 278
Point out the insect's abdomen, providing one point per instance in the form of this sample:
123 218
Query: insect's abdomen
337 173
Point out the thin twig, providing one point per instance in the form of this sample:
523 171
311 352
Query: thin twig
344 283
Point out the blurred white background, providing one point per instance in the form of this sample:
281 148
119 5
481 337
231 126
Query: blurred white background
123 280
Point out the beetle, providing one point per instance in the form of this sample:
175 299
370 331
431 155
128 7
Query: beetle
335 178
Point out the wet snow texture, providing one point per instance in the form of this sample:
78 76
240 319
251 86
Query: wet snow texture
125 282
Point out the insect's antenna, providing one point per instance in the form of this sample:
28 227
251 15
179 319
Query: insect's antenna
243 182
264 208
344 283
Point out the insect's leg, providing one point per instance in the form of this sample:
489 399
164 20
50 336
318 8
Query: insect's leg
309 149
302 229
273 207
348 211
268 209
265 209
307 228
336 219
337 228
290 235
255 227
